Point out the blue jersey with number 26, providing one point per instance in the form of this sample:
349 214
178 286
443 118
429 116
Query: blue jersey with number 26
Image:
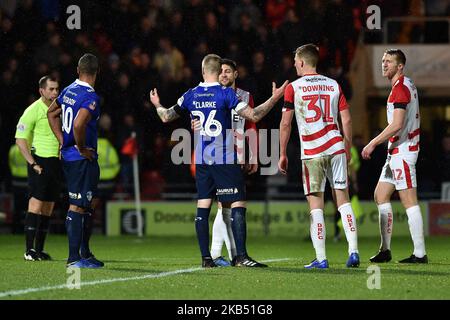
211 104
78 95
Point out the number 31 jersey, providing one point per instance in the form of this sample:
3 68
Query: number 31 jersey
317 101
78 95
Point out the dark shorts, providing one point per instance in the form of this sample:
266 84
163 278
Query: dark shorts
47 185
225 180
82 178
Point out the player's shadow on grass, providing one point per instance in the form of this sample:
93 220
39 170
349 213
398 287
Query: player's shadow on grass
136 270
152 262
362 270
414 272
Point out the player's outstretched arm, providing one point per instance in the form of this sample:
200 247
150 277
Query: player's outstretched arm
54 120
285 133
256 114
388 132
166 115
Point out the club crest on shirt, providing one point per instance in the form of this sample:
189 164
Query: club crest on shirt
21 127
92 106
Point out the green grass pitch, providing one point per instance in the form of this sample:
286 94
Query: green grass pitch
169 268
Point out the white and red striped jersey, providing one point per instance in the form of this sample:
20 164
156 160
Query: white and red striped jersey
240 125
317 101
404 95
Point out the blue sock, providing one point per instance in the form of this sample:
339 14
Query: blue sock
86 234
202 229
74 228
239 227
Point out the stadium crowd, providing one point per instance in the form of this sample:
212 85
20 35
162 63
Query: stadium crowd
144 44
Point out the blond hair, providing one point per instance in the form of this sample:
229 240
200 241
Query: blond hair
309 53
212 64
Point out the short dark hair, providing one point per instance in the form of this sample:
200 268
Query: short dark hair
310 53
44 80
230 63
88 64
399 55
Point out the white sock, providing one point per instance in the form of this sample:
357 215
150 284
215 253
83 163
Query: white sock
318 233
416 229
219 229
386 217
229 239
349 223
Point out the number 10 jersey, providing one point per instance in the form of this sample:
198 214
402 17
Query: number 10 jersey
78 95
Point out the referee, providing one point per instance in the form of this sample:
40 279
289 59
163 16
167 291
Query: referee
40 149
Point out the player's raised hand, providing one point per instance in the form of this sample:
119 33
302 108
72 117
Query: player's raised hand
277 93
367 151
196 125
154 97
283 164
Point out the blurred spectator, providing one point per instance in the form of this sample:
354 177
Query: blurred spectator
213 34
245 36
312 16
245 80
290 32
201 49
263 77
276 11
249 8
168 60
9 7
233 51
177 32
68 69
412 31
105 127
339 31
287 71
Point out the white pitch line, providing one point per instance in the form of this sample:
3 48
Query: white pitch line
104 281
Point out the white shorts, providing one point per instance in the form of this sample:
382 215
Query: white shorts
316 171
400 170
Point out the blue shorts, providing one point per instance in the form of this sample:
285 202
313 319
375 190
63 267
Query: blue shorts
82 178
226 181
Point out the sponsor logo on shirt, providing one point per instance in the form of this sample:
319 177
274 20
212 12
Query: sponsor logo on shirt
75 196
203 95
226 191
